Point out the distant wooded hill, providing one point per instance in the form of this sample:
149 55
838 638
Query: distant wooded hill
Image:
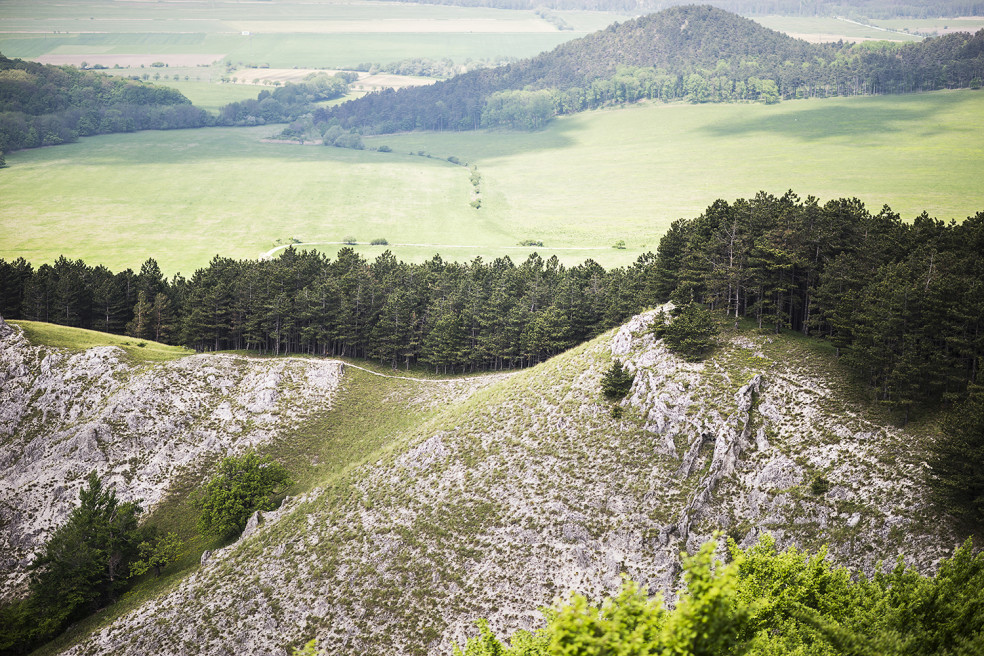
869 8
694 53
42 105
45 105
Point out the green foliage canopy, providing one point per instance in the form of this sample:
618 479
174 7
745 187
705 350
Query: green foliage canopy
83 566
243 485
958 475
766 602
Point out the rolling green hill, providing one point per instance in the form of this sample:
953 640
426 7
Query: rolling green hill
494 495
697 53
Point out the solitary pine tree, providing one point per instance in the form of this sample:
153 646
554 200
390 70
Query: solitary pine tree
616 382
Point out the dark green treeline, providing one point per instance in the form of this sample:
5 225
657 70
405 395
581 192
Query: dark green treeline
451 316
903 302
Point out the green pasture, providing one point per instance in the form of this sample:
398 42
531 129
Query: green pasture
213 96
578 186
965 24
811 27
282 34
77 339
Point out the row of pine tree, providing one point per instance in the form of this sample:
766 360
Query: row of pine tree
902 302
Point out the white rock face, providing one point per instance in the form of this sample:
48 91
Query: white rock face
64 414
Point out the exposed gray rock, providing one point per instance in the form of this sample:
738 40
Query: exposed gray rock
64 414
537 490
252 524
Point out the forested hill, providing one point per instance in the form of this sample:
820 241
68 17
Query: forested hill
867 8
697 53
44 105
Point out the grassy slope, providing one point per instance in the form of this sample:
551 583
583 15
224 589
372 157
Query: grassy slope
76 339
483 525
369 415
585 182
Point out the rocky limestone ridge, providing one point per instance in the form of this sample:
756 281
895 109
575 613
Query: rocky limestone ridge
533 487
65 413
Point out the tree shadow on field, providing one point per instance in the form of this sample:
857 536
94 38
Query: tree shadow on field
839 117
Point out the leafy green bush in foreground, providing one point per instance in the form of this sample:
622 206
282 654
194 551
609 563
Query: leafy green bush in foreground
766 602
243 485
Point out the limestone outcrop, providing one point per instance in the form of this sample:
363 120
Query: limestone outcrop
64 414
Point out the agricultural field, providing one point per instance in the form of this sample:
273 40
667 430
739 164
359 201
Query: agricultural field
325 34
579 186
933 26
828 29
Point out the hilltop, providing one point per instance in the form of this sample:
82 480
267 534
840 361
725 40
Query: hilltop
501 492
694 53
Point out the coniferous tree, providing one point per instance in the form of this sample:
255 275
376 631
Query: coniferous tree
85 563
616 381
956 461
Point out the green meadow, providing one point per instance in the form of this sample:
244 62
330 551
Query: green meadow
78 339
311 33
578 186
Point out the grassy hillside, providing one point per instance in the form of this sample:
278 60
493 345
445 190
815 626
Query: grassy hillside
76 339
492 503
582 183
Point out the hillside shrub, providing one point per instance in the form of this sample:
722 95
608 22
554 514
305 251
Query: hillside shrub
690 333
243 485
616 381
